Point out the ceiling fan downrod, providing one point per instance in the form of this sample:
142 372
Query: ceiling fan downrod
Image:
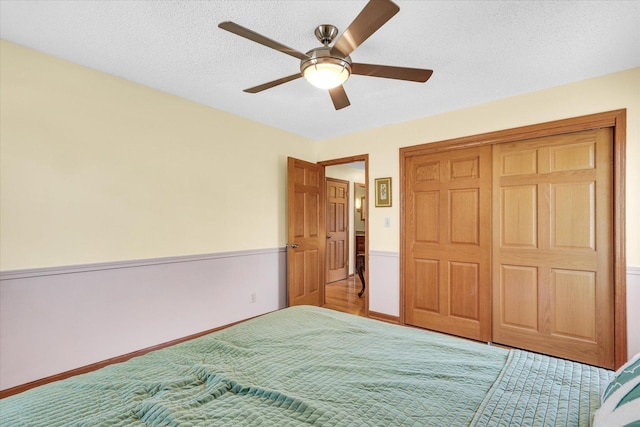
326 33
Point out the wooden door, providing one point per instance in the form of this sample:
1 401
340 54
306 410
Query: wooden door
306 233
552 259
337 224
448 242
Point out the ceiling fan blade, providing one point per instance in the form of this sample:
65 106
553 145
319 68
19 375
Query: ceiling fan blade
389 72
273 83
373 16
339 97
258 38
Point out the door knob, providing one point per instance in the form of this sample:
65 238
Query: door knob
293 245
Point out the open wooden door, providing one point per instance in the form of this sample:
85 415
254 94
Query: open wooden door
337 224
306 233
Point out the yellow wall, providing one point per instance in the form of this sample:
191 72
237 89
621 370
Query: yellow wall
606 93
95 168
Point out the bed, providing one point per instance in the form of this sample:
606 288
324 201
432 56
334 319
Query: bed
314 366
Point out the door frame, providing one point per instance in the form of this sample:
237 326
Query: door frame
353 232
341 161
616 119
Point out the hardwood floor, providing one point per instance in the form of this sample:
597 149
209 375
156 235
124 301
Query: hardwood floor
343 296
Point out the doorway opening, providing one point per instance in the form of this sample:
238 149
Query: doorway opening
346 277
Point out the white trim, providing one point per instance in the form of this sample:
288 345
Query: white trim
385 254
113 265
633 271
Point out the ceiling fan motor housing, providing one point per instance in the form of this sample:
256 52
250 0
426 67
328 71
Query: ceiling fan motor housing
324 70
322 55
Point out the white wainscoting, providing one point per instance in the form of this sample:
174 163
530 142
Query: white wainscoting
384 282
56 319
633 311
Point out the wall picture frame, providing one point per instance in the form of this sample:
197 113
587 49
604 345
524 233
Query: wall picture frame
383 192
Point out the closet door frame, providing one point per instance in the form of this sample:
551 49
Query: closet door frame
614 119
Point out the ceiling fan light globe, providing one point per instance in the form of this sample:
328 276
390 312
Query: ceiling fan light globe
326 76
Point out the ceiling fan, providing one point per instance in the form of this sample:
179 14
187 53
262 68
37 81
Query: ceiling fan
329 67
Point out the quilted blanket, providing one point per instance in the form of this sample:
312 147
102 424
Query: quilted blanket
303 366
536 390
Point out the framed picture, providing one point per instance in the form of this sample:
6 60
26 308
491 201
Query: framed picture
383 192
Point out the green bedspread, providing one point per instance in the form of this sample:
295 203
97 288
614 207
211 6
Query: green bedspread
536 390
301 366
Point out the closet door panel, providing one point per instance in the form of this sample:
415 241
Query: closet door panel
427 280
448 242
519 296
573 216
464 215
427 208
576 289
552 253
464 280
519 209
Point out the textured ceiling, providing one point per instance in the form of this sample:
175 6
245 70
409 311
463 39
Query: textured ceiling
479 50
